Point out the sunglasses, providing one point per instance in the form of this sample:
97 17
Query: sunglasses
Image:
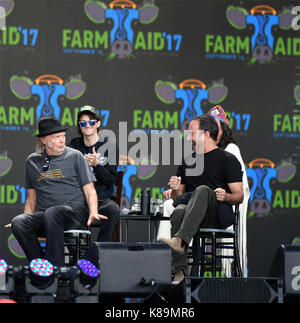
84 123
46 165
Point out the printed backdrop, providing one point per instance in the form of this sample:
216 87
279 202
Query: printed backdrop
156 64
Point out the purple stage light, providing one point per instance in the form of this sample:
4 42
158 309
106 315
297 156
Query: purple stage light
88 268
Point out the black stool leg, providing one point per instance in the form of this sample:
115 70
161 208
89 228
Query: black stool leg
214 254
203 246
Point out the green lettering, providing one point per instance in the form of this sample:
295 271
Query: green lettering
149 40
156 193
3 118
2 194
158 119
242 45
136 118
11 194
67 117
229 44
296 46
278 200
147 122
4 37
88 37
101 39
27 116
13 115
219 45
76 40
158 41
66 37
279 48
295 199
209 42
277 121
287 199
171 120
13 35
286 124
296 123
140 41
137 193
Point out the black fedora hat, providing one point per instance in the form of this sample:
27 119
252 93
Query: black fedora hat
48 126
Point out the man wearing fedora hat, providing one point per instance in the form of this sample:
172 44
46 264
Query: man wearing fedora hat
104 166
61 195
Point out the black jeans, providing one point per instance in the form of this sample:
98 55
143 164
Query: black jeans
50 224
107 227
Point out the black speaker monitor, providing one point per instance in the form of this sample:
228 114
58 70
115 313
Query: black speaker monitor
131 268
286 265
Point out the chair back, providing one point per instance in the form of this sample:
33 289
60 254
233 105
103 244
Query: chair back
119 185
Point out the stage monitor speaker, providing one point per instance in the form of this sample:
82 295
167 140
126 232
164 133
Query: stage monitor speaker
233 290
286 265
131 268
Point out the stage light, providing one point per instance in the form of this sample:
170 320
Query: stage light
3 266
41 267
88 268
85 282
41 281
88 273
41 272
6 279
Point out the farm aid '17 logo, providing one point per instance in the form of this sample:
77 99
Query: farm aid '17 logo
118 37
263 46
265 200
46 89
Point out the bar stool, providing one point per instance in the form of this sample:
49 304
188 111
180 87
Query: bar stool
205 245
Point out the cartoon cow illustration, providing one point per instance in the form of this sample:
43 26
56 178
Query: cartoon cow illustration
297 94
48 88
8 6
122 13
263 18
5 164
261 171
131 169
192 92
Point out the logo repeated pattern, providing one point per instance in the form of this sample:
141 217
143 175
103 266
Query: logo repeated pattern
156 65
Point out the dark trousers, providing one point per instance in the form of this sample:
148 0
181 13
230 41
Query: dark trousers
107 227
201 211
50 224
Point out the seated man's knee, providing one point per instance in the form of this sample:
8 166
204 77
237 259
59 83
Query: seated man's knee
203 189
17 222
55 213
178 212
